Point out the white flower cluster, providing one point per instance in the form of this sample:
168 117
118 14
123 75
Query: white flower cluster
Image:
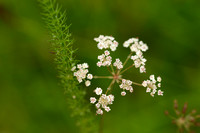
139 61
105 42
82 73
103 101
118 64
104 59
138 47
126 85
152 85
109 44
135 45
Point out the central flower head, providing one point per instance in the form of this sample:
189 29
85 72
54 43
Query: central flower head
116 69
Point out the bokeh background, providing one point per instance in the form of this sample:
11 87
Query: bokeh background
31 99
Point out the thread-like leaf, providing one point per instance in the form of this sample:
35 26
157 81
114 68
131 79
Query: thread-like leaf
64 58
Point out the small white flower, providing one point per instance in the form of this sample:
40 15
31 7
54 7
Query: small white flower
103 102
111 98
139 61
92 100
85 65
98 91
142 69
118 64
107 53
134 57
139 53
99 111
104 59
134 48
97 105
152 94
87 83
79 66
100 45
79 80
130 41
90 76
99 64
144 47
82 73
144 83
160 92
107 109
159 84
159 79
105 42
154 91
126 85
148 90
123 93
152 77
152 85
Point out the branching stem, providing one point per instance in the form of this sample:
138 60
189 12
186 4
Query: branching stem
128 57
137 84
126 69
104 77
109 70
110 86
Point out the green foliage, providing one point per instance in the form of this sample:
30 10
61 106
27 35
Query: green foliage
64 58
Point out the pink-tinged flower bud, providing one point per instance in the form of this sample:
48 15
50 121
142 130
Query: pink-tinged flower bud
175 104
184 108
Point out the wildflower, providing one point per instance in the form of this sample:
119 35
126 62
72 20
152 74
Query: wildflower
98 91
139 61
130 41
108 43
160 92
93 100
89 76
82 73
104 59
126 85
118 64
152 85
136 45
183 120
123 93
103 101
99 111
87 83
105 42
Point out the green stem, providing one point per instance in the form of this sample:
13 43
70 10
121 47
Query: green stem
126 69
128 57
105 77
101 121
110 86
137 84
109 70
101 124
112 69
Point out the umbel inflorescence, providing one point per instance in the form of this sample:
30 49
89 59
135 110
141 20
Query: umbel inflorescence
116 68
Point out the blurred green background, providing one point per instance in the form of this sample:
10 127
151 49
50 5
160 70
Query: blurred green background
31 99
